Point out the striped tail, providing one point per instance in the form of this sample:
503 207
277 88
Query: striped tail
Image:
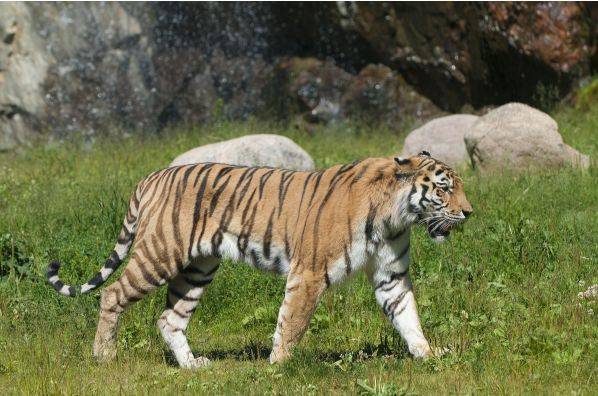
123 244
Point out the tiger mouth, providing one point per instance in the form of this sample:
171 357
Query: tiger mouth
437 232
434 232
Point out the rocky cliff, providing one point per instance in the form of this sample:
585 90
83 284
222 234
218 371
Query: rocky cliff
86 69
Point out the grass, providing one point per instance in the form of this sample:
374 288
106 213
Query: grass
501 293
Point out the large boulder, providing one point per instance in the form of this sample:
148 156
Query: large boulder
516 137
442 137
251 150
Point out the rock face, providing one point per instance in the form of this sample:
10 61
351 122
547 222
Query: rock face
68 67
85 69
480 53
252 150
326 92
442 138
516 137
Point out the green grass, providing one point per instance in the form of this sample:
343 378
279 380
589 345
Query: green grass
502 293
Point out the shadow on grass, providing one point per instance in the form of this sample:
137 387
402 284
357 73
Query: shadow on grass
260 351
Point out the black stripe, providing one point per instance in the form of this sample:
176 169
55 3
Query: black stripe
181 296
263 179
149 278
222 172
285 183
389 308
216 242
246 208
216 196
186 175
320 174
197 270
347 261
246 186
359 175
287 246
53 268
239 182
197 283
203 229
423 195
58 285
113 261
404 252
125 236
243 239
196 210
257 263
268 236
397 235
96 280
305 188
369 223
393 277
205 168
180 314
277 265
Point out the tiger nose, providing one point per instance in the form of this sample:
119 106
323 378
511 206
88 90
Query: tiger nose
466 212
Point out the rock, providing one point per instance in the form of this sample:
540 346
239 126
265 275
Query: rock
309 81
516 137
443 138
251 150
218 87
480 53
23 65
71 68
325 92
373 95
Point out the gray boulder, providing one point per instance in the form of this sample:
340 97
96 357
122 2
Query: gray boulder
517 136
442 137
251 150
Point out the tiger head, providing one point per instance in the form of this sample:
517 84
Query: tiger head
437 196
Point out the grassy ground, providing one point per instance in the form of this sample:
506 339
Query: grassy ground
501 293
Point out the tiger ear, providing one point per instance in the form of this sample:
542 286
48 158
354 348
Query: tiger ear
405 170
402 161
424 153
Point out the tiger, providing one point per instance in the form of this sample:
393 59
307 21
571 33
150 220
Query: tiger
316 228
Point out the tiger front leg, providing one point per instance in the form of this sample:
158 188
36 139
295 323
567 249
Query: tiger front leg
303 292
394 293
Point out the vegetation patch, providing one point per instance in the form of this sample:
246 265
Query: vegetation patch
500 297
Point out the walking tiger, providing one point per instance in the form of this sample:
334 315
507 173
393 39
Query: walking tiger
315 228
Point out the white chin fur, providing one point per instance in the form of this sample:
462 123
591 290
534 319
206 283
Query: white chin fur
439 238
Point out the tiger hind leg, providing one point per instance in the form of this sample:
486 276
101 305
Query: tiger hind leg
184 292
135 282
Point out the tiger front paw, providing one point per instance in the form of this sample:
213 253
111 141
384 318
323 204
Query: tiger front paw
199 362
104 353
279 356
421 351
